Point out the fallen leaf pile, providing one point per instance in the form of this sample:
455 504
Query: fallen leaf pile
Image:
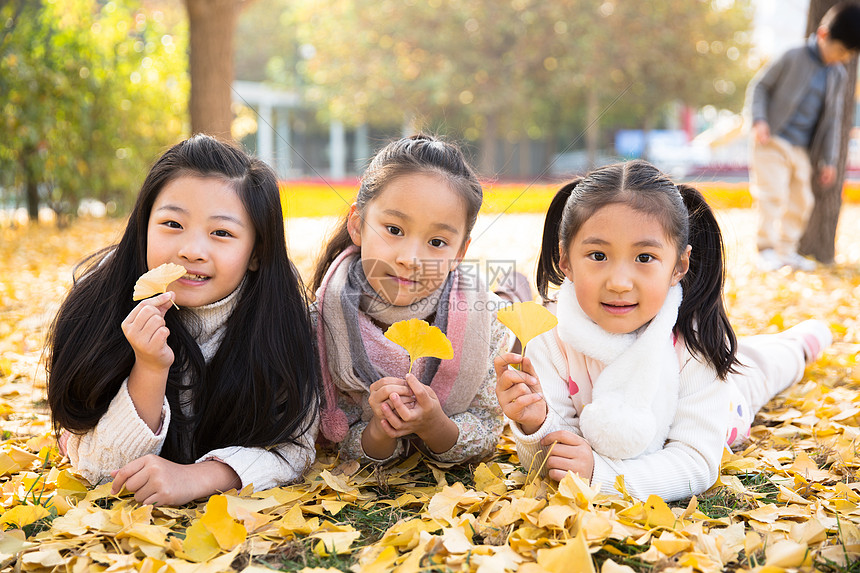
789 501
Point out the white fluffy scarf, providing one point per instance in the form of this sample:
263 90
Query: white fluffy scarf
635 397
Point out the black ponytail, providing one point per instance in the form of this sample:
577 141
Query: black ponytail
337 243
702 319
548 269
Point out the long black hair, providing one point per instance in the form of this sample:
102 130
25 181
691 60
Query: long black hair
261 387
685 217
419 153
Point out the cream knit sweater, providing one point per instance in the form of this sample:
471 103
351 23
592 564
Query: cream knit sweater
121 436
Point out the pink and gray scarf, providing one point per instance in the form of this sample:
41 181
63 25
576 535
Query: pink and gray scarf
354 353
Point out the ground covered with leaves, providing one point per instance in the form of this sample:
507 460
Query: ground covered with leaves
790 501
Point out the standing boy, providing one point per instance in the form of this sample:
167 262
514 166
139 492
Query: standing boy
796 108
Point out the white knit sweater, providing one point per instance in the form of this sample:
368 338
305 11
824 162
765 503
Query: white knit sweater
121 436
688 463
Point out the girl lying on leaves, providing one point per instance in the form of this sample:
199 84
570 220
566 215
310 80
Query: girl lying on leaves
211 385
643 376
394 258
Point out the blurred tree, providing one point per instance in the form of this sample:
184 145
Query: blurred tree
522 68
211 29
819 240
90 92
654 53
266 46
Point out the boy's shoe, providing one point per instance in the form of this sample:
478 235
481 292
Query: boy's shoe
769 260
813 335
800 263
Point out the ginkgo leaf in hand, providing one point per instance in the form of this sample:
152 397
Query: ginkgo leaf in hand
420 339
527 320
155 281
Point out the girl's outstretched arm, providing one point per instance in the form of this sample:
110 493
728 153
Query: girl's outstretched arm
146 331
268 468
120 437
157 481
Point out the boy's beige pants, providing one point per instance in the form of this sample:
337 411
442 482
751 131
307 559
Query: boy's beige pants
781 184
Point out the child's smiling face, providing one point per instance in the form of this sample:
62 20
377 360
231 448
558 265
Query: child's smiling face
201 224
622 264
411 235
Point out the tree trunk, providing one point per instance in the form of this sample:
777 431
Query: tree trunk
32 189
488 147
525 149
31 182
819 240
592 127
211 27
647 127
550 148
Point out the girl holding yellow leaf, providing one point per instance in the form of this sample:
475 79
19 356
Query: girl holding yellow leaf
217 393
643 377
395 258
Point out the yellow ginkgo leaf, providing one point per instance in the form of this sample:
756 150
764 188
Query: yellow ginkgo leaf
155 281
527 320
420 339
199 544
22 515
227 531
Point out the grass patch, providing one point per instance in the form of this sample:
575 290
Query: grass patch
723 502
623 554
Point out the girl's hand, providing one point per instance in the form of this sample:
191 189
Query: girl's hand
157 481
571 452
519 392
425 418
402 416
146 331
383 389
378 440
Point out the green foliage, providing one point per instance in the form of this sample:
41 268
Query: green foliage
523 68
90 92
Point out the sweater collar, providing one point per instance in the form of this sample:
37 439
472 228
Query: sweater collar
213 316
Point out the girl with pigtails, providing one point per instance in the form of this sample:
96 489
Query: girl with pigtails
643 377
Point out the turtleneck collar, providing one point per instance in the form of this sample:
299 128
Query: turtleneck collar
212 317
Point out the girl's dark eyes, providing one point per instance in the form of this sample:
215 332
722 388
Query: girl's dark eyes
393 230
437 242
597 256
644 258
222 233
172 224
